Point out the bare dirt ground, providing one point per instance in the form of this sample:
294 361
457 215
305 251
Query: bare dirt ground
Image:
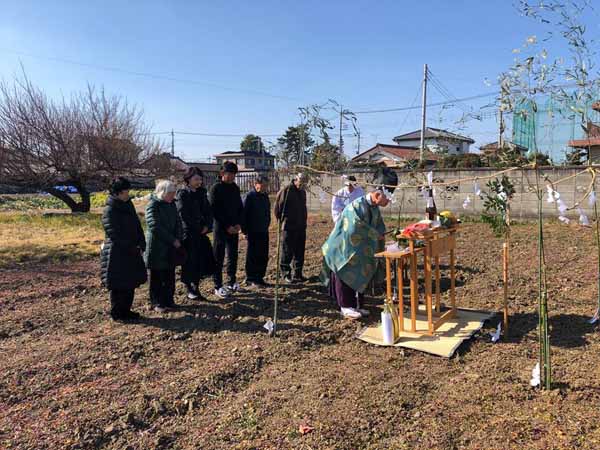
208 377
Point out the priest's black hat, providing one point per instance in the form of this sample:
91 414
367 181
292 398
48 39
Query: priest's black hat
386 178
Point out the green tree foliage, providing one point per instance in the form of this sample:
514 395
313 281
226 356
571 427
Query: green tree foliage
327 156
540 158
496 205
252 143
291 145
506 157
466 160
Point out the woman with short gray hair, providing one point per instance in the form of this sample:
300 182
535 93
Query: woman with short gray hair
163 236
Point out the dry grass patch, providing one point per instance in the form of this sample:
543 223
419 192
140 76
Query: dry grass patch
26 238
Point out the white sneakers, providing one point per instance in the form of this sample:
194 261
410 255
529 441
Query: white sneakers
222 292
354 313
226 291
351 313
233 287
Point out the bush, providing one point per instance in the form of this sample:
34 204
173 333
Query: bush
463 161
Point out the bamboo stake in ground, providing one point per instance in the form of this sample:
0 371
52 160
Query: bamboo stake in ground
277 275
598 251
544 334
505 276
505 260
277 269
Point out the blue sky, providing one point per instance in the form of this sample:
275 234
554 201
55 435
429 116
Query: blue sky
249 65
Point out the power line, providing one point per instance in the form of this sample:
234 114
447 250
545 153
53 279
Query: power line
442 89
150 75
462 99
193 133
407 108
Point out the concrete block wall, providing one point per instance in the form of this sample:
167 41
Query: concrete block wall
523 205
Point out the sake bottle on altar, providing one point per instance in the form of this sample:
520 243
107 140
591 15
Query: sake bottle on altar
387 326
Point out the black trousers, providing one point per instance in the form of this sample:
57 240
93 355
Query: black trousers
121 301
294 243
162 287
200 261
257 256
224 242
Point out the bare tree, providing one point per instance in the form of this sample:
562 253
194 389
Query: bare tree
79 141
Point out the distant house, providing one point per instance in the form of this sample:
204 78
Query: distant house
391 155
591 142
170 164
491 149
248 161
436 141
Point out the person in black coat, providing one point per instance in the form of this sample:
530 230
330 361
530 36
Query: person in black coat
228 211
257 218
196 218
122 265
290 210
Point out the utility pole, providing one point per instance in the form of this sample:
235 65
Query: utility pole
172 142
341 141
358 142
500 125
423 113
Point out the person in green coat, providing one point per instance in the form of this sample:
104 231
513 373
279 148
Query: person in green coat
163 237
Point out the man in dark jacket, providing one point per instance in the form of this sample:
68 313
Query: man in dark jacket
290 211
228 211
122 265
257 218
196 218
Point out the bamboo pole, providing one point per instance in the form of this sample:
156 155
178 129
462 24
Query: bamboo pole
597 227
506 260
542 349
277 276
598 251
544 334
505 256
277 268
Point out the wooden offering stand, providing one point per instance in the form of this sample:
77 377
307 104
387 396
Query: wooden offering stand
438 242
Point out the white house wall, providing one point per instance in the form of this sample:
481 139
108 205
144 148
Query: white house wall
463 147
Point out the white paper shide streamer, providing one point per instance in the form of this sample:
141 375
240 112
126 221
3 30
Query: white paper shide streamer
554 197
476 189
269 326
535 376
592 198
596 317
467 201
583 219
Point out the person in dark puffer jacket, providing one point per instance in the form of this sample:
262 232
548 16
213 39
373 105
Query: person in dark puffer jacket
164 236
228 210
196 218
122 265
